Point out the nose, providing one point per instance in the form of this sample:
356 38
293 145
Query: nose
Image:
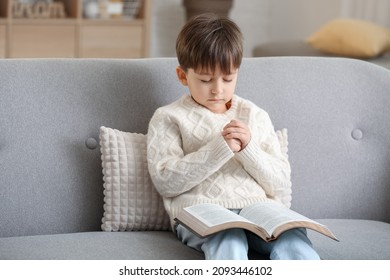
217 87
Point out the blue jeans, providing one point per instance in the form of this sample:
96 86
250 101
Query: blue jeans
233 244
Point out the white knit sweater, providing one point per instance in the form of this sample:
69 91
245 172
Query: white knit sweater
190 162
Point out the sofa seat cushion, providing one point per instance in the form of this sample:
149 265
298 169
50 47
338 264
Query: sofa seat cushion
359 239
355 237
146 245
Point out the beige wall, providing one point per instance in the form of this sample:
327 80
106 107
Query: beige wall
297 19
260 21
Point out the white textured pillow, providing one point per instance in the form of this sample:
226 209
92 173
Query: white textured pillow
130 200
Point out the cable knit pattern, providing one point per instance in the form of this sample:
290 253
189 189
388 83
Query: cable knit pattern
190 162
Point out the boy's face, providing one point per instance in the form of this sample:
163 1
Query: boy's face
211 89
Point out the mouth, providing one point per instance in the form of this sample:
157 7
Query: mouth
216 100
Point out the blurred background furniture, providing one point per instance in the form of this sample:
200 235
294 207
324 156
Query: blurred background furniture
195 7
343 37
37 28
301 48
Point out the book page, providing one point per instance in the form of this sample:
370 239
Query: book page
213 214
271 215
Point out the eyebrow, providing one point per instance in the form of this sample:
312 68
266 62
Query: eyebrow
205 73
212 74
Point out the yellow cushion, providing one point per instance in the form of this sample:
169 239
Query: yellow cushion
351 38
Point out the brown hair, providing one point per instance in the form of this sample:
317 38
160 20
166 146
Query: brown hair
208 41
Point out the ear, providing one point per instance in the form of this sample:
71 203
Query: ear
181 75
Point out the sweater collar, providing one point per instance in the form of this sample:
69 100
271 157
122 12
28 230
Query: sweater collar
230 113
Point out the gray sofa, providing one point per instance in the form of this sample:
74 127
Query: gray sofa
336 110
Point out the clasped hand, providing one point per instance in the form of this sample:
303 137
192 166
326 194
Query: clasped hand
237 135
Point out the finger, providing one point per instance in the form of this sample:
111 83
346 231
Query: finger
234 145
236 126
234 130
237 123
233 123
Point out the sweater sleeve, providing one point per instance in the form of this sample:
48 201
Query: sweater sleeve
172 171
263 159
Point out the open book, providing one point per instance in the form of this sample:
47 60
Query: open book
266 219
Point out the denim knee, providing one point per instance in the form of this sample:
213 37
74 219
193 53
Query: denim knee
293 245
230 244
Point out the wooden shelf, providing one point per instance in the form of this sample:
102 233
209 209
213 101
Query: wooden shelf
74 36
3 28
3 33
113 22
62 21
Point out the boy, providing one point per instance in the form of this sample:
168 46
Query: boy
212 146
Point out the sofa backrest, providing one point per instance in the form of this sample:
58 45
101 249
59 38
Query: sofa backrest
336 112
